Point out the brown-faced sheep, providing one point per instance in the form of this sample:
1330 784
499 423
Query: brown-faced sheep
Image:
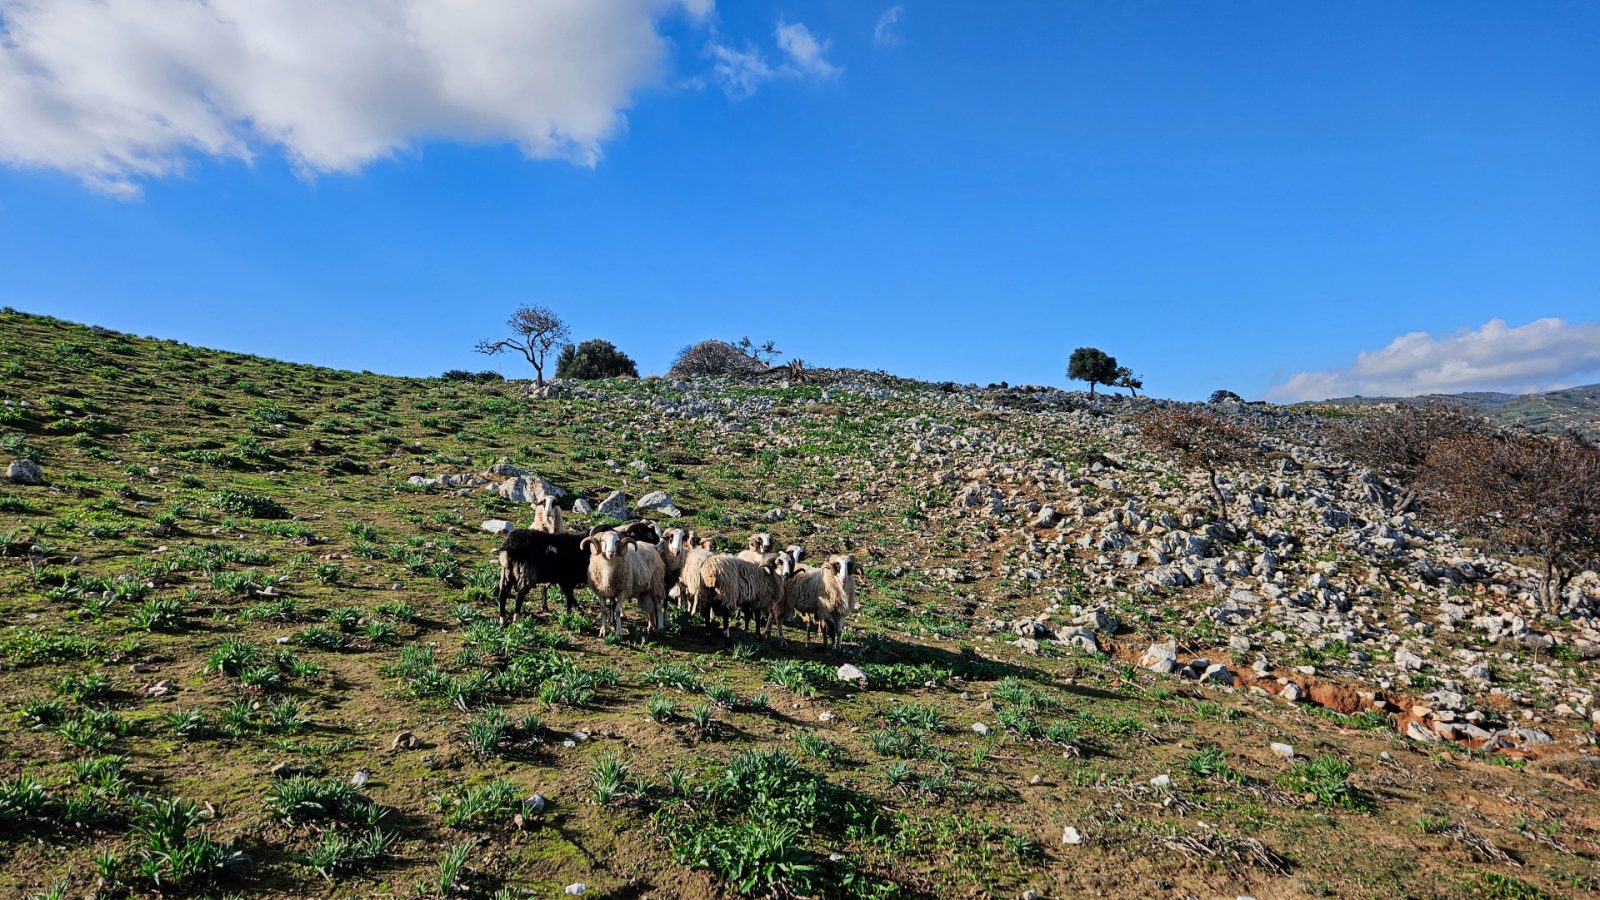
824 596
760 546
621 568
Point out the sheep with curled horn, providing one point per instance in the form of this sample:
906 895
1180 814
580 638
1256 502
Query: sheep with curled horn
620 569
823 597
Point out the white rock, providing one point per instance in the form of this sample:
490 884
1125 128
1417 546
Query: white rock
360 778
848 672
980 728
1161 781
496 526
1283 750
1070 835
577 888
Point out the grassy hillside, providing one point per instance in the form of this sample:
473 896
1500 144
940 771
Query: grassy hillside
1574 409
228 591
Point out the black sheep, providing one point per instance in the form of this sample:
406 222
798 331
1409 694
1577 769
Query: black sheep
529 558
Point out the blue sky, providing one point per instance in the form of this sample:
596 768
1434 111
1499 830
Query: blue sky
1236 194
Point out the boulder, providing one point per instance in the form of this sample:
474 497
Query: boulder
615 506
582 507
659 502
496 526
848 672
24 471
1160 657
528 489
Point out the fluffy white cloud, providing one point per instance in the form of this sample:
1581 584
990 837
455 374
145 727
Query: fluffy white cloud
1539 356
114 91
884 34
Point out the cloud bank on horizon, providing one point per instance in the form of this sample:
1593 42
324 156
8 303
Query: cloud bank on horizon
1545 354
116 92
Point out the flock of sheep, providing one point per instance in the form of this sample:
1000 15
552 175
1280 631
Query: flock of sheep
762 588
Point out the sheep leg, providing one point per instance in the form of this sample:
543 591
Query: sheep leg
544 596
572 602
504 588
516 611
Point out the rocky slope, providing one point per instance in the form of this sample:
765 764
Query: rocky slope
1067 676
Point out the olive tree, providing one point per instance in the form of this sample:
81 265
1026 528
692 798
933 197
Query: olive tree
1093 365
594 358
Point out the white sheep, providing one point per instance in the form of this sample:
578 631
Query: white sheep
620 568
732 586
689 586
824 597
758 549
548 518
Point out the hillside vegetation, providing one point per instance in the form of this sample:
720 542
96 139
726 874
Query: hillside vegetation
1575 409
249 650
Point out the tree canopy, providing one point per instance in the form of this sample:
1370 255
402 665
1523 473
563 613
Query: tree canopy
592 359
1093 365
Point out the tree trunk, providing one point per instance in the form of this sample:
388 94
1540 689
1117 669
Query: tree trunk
1222 502
1550 585
1091 389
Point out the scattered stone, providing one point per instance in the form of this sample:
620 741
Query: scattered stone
360 778
615 506
1284 750
582 507
1070 835
496 526
405 740
980 729
848 672
24 471
1161 781
161 688
1161 658
659 502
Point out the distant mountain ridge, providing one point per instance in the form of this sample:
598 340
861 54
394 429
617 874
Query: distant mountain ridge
1570 409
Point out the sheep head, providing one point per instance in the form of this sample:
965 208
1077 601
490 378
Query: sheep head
607 544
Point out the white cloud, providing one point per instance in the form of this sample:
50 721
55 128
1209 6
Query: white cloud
741 72
805 50
1542 355
884 34
116 91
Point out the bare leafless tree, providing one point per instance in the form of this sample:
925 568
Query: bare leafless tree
535 331
1202 440
1537 493
1394 443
